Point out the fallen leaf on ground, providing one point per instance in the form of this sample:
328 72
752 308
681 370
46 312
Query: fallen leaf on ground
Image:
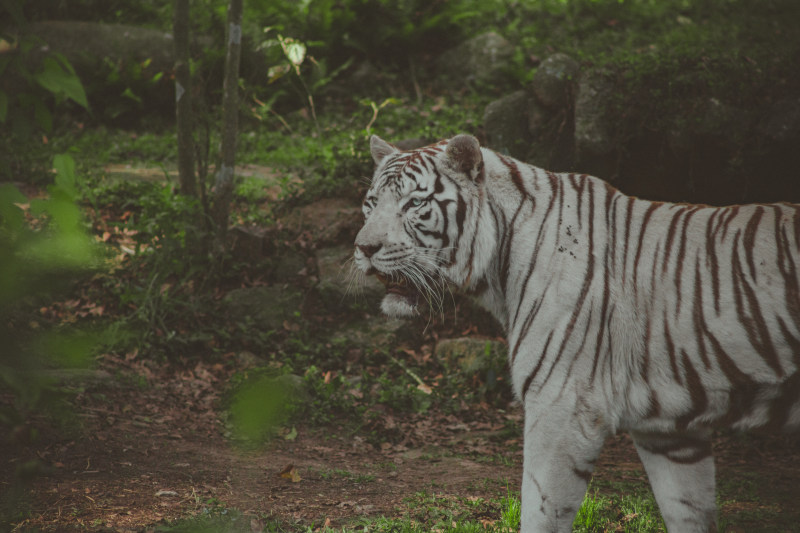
290 472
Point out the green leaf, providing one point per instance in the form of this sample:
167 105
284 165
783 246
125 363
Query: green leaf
277 72
11 216
295 51
128 93
66 179
258 406
61 81
71 349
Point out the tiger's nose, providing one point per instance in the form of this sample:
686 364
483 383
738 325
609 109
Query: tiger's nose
369 249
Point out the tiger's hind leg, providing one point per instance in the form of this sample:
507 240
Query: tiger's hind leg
560 448
681 471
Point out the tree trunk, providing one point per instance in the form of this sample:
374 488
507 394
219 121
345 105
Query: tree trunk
223 191
183 99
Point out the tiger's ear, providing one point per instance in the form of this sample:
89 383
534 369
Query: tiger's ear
380 149
464 155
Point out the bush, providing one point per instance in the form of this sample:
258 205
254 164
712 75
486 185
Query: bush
43 249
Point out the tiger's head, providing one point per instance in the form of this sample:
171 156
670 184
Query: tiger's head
417 213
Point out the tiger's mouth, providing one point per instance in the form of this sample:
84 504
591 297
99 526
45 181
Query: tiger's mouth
402 297
398 284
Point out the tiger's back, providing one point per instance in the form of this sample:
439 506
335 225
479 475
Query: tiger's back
664 320
692 311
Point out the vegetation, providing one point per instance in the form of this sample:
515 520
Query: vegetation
103 259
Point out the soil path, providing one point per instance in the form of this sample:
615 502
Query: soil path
151 448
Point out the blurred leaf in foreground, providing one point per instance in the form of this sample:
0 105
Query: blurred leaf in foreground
259 406
44 248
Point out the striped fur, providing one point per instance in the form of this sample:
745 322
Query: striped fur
663 320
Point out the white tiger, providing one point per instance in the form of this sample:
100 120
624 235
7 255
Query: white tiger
663 320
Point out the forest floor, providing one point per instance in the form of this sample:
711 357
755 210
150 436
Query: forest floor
146 444
150 448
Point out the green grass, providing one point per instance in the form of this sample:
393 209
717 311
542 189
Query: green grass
426 512
632 512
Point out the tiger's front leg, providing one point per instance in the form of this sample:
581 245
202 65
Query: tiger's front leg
561 444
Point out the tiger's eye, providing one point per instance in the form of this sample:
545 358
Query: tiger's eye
416 202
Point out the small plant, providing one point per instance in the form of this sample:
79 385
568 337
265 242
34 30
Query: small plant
590 514
296 55
632 513
511 512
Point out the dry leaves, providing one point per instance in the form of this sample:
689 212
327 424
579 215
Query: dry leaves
290 472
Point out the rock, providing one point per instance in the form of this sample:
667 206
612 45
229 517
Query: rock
477 60
782 122
87 44
288 264
555 79
332 266
339 288
538 117
264 307
256 245
469 354
330 221
506 124
708 120
377 332
294 387
247 243
724 121
594 124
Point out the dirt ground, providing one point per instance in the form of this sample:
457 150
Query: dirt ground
150 448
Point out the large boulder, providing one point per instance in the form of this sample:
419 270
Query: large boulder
506 124
554 80
478 59
707 121
595 126
88 44
538 118
329 221
249 243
